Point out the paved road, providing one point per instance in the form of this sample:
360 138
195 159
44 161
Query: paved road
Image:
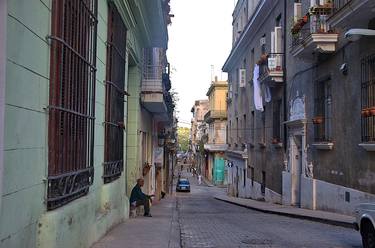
209 223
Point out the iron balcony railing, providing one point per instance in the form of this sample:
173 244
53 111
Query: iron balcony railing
215 114
314 23
273 63
154 70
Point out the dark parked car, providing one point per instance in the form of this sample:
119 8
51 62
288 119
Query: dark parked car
183 184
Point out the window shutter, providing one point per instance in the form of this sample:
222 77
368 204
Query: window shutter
297 11
278 43
273 43
242 77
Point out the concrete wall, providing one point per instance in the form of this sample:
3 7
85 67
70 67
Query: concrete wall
3 26
25 147
85 220
347 167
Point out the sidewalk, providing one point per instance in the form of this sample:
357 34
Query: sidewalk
159 231
313 215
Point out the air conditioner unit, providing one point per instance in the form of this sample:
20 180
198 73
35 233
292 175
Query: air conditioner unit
242 77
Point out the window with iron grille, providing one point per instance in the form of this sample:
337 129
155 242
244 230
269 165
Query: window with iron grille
115 96
72 100
276 136
323 111
368 98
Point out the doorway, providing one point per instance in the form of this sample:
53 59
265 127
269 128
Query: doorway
296 168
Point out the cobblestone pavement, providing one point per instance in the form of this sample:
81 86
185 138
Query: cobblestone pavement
209 223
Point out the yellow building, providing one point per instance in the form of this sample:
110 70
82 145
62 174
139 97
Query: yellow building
216 118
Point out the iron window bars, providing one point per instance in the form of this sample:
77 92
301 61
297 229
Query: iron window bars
115 84
323 111
368 98
72 100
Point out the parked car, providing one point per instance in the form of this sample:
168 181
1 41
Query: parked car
183 184
365 222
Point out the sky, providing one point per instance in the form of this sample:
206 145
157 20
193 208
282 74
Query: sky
200 36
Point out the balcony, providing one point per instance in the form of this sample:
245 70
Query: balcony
271 71
312 34
213 115
156 83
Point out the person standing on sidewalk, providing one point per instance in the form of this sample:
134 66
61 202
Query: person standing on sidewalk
138 198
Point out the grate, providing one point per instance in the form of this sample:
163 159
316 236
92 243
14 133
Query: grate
115 93
72 98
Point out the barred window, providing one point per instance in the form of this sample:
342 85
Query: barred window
368 98
72 99
323 111
115 93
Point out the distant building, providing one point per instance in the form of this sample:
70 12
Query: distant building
215 146
198 132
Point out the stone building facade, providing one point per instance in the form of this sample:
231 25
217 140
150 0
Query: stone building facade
301 131
255 133
216 118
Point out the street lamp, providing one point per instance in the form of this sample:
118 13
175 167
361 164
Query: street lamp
355 34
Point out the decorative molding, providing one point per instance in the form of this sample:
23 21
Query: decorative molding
323 145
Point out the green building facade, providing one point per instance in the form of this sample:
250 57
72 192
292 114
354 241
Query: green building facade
25 220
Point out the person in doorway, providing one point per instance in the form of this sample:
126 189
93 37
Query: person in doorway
138 198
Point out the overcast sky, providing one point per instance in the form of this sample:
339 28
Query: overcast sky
200 36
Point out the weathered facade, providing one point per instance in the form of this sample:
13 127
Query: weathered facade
301 131
70 66
330 81
215 146
255 152
198 133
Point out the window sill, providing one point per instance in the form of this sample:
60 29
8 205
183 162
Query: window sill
323 145
370 147
277 145
262 145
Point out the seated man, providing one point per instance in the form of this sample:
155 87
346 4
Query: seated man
138 198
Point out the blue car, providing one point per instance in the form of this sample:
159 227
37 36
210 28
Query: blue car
183 184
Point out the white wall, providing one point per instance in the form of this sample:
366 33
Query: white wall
3 18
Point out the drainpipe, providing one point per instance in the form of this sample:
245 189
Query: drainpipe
3 23
285 78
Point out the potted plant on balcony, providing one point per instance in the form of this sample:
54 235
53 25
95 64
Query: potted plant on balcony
365 112
317 120
372 111
275 141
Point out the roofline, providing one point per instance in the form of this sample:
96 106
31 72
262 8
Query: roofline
241 40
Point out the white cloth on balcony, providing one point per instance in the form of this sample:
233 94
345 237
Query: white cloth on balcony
258 99
267 94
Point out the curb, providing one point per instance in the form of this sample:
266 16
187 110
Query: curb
296 216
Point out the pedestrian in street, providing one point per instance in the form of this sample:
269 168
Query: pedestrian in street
138 198
199 179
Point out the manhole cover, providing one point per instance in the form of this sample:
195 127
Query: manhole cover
257 241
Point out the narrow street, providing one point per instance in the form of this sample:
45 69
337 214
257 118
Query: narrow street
206 222
197 220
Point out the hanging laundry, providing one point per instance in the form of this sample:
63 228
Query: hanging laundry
258 100
267 93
